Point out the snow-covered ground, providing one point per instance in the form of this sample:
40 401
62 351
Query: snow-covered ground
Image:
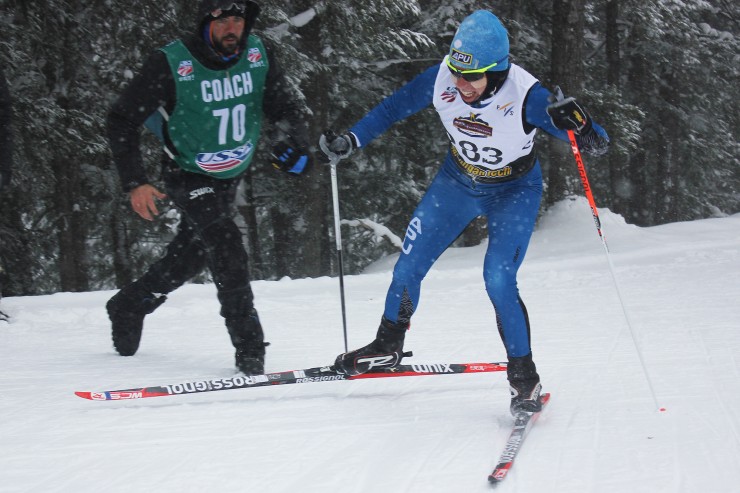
600 433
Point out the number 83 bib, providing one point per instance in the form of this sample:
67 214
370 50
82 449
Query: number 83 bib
488 143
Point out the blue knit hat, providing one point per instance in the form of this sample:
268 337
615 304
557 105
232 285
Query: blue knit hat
480 41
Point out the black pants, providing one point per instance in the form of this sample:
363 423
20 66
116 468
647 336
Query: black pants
207 236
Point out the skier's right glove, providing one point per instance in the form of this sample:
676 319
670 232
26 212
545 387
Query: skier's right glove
567 114
336 147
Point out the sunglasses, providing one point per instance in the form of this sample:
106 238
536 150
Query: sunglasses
468 75
227 8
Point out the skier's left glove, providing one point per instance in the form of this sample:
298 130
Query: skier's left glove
336 147
289 157
568 114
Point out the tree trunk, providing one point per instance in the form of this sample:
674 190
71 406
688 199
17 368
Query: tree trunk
567 72
619 181
16 261
320 244
71 230
612 43
638 205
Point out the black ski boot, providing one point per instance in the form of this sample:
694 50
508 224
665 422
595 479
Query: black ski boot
250 360
524 384
386 351
248 339
126 310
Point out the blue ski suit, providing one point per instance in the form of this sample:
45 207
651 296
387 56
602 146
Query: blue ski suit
491 170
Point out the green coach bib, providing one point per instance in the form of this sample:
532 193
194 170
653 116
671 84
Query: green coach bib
216 121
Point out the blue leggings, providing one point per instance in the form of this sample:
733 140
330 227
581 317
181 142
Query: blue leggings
451 203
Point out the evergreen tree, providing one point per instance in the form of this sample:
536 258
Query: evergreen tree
660 76
681 75
363 52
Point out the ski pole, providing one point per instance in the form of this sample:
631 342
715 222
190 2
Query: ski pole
600 230
338 238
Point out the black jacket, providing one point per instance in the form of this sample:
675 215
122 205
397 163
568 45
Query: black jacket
155 87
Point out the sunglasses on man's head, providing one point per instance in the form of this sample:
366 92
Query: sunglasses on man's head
227 8
468 75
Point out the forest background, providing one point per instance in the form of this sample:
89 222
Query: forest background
660 76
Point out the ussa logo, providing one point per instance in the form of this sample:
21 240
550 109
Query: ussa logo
449 94
185 69
218 162
254 55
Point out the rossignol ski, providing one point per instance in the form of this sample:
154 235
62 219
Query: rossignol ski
318 374
522 423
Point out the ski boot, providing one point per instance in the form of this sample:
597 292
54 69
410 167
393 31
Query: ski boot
126 310
250 359
386 351
524 384
248 339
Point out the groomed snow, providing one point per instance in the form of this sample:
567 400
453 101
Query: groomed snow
601 432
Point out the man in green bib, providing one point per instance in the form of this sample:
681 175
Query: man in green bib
202 96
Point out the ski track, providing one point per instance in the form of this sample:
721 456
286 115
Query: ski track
600 433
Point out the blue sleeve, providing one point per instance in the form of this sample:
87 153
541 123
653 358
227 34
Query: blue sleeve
536 114
406 101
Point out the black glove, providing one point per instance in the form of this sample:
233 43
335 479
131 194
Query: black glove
336 147
4 178
567 114
290 158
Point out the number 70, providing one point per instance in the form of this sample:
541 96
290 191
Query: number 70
237 116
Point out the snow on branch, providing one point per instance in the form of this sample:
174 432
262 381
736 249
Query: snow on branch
378 230
306 16
298 20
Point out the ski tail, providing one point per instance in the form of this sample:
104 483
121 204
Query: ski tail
118 395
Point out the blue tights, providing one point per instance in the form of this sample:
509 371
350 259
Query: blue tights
451 203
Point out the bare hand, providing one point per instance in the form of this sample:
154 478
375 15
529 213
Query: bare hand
143 201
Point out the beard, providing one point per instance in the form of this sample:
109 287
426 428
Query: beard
228 45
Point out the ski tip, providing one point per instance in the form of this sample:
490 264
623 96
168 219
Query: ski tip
84 395
499 474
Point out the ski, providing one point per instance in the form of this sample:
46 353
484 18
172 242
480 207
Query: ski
308 375
522 423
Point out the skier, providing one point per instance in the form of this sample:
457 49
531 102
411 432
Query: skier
491 110
202 95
